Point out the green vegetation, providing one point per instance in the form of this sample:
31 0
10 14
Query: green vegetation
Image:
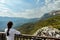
30 28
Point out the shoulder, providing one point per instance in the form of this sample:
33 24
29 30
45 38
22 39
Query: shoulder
5 29
13 29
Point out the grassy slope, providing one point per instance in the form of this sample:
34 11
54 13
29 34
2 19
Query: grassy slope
30 28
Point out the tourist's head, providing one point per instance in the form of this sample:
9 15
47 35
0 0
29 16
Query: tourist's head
9 25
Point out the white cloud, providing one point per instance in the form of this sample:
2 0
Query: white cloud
53 4
3 1
26 14
31 13
37 1
49 6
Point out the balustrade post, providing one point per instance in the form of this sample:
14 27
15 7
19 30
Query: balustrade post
26 37
44 38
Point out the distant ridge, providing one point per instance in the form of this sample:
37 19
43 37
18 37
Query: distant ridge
50 14
17 21
30 28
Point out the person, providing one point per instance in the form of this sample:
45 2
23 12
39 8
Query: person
10 32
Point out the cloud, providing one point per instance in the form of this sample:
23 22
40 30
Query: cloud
52 3
37 1
7 12
4 11
28 13
49 6
31 13
2 1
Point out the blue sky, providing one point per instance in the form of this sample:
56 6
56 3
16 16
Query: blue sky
27 8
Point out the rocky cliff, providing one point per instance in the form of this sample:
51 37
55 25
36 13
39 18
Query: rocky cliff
48 31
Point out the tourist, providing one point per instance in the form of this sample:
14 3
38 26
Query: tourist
10 32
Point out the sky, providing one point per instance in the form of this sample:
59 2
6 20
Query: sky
27 8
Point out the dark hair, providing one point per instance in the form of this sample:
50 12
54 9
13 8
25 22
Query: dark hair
9 25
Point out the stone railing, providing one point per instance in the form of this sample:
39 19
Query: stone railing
27 37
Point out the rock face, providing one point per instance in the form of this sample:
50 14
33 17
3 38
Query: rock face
55 12
48 31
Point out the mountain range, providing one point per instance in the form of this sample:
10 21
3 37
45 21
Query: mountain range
22 23
52 18
16 21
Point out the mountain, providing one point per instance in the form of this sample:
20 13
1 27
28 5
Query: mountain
17 21
45 16
50 14
30 28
